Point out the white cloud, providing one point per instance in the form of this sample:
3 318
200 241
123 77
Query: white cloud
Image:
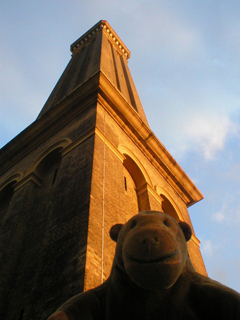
208 248
229 213
225 211
218 217
199 132
209 133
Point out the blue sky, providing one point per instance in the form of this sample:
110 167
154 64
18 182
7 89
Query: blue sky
186 67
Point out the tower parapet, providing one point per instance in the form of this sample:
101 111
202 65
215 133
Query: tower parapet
104 26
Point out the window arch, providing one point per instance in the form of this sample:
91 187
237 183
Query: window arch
6 195
168 204
138 183
129 154
169 208
134 170
48 168
60 145
139 177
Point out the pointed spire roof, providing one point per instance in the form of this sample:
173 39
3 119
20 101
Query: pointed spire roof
99 50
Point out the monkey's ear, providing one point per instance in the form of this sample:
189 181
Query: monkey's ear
114 231
186 229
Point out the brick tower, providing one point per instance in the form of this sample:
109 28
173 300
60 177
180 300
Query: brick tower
89 161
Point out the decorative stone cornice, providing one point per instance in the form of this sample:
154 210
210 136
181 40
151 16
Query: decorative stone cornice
101 26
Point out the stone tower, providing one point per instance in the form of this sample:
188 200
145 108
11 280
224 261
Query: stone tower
89 161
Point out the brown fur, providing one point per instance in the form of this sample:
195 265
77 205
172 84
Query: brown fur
152 278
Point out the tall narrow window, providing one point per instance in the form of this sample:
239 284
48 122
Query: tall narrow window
130 200
125 183
54 176
21 314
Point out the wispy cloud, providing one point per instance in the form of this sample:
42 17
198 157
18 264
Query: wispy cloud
209 133
209 248
229 213
218 217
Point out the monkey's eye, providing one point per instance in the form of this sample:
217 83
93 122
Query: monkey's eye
166 223
133 224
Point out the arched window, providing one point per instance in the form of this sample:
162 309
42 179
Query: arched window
5 197
48 168
134 183
168 208
48 162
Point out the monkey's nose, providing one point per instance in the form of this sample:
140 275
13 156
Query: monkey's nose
150 240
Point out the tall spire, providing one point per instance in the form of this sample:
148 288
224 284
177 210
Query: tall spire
88 162
99 50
